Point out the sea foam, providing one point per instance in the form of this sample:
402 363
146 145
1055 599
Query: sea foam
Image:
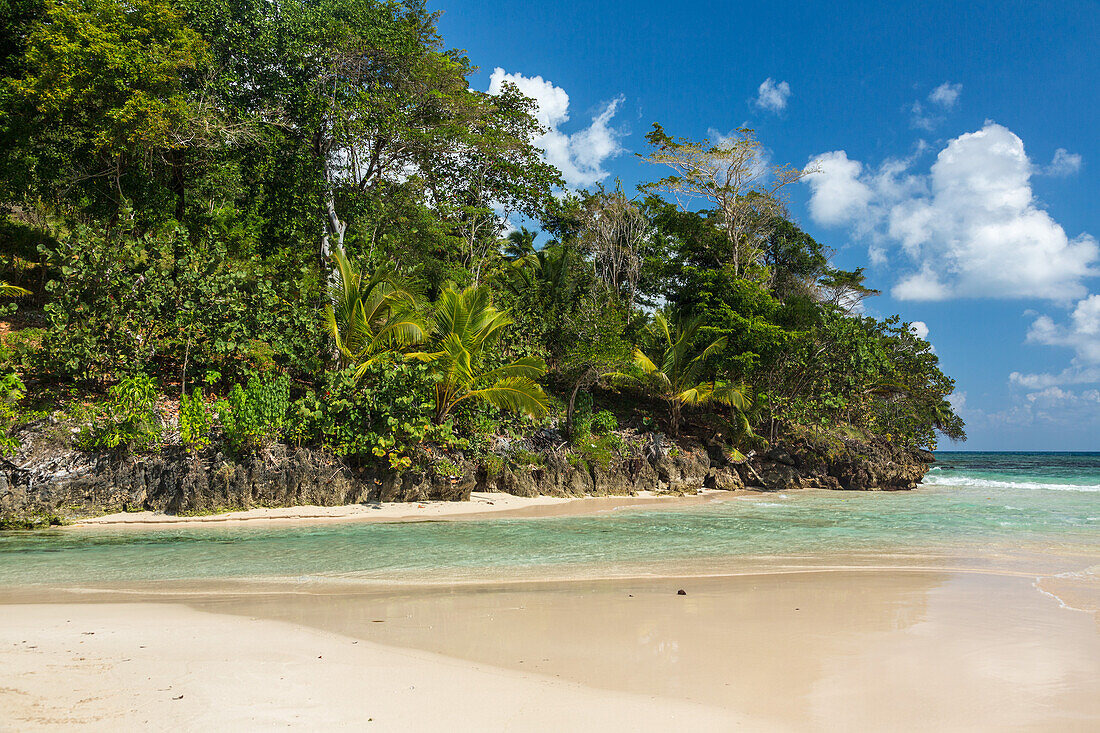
983 483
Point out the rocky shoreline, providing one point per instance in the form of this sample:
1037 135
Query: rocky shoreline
43 483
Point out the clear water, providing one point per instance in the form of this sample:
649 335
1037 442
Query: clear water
971 502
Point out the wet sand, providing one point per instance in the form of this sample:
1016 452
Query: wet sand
847 649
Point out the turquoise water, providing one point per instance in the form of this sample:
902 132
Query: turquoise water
971 503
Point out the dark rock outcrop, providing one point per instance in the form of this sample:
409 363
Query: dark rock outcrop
47 480
831 462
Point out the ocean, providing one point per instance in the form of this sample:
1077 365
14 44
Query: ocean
971 508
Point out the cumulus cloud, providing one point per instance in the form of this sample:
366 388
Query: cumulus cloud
1079 332
919 329
946 95
772 96
580 155
1064 163
969 227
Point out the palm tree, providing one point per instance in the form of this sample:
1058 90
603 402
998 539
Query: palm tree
465 325
677 379
12 291
543 274
519 243
370 317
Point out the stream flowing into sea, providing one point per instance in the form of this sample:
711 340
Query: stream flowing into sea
972 508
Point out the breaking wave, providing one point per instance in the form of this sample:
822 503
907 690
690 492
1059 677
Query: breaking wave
984 483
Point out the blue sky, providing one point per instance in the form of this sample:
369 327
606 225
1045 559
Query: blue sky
957 150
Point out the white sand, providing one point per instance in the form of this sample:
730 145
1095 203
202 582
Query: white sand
480 504
125 667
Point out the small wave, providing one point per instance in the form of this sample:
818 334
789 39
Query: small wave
982 483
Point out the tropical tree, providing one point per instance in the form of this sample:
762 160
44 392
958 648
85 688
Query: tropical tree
369 317
519 243
733 176
678 378
465 328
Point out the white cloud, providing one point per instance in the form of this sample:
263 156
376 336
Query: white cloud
1064 163
838 195
946 95
772 96
919 329
580 155
1081 333
970 227
957 400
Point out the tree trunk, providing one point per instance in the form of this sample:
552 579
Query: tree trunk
674 418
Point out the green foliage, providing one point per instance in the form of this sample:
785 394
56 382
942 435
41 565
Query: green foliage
241 189
369 318
19 349
465 327
12 391
255 415
386 411
446 468
128 420
105 84
195 421
604 422
676 377
523 457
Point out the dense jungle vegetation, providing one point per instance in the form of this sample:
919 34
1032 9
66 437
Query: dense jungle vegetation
232 222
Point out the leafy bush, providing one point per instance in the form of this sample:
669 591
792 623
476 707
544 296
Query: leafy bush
446 468
604 423
121 300
11 391
255 415
384 414
521 457
18 348
595 451
194 421
494 465
128 419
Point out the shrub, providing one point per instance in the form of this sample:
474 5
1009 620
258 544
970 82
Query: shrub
446 468
494 465
604 423
594 451
521 457
128 419
11 392
255 415
18 348
384 414
194 421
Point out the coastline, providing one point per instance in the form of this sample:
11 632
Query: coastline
481 505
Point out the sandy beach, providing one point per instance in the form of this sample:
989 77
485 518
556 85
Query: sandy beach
481 504
830 650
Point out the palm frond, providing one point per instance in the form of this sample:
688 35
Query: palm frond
518 394
8 290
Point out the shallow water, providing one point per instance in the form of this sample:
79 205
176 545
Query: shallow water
973 504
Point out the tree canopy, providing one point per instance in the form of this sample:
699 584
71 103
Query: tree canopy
304 202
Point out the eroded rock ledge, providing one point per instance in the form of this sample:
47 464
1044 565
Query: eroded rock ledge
43 482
